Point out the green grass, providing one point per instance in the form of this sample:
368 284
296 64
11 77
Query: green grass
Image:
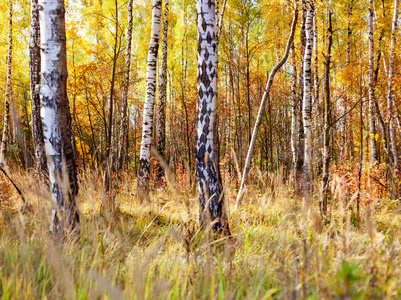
155 250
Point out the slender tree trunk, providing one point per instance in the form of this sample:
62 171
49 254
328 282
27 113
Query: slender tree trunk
109 132
161 116
34 73
262 106
327 120
211 198
147 123
124 118
294 131
248 86
316 62
307 102
379 117
390 92
300 127
7 96
372 126
56 117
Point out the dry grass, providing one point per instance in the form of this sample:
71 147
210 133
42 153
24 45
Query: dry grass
153 250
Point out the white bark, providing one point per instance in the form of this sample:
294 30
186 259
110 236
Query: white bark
262 107
161 116
34 73
56 118
207 161
294 130
307 103
147 123
390 92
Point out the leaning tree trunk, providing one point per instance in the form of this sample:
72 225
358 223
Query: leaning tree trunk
34 74
161 116
372 127
327 117
307 102
147 122
124 118
390 92
7 97
210 188
262 107
56 117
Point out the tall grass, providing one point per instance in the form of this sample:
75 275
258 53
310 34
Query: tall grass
281 248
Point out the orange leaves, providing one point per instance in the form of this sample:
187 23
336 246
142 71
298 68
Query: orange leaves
369 180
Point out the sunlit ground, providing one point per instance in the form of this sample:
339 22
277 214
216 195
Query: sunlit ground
281 248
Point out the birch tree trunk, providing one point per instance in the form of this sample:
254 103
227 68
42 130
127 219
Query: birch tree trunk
294 131
316 62
327 120
372 126
161 117
7 96
124 119
147 123
34 74
56 117
390 92
307 102
211 198
262 107
300 127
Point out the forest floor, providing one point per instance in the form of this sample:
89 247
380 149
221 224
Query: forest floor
154 249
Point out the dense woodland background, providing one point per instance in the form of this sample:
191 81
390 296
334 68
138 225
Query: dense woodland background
293 236
253 38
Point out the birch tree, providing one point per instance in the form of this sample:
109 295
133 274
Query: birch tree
390 92
34 76
161 116
124 118
147 122
294 131
372 126
300 126
307 99
7 95
56 117
211 196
